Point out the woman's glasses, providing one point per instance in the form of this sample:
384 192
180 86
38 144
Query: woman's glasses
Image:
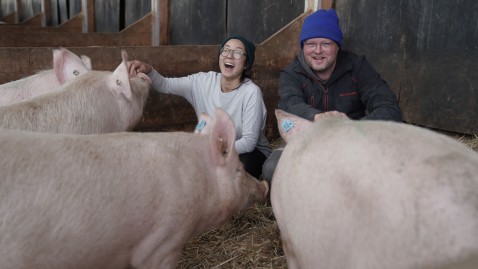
236 54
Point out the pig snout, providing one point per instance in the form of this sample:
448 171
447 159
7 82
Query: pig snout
262 191
259 190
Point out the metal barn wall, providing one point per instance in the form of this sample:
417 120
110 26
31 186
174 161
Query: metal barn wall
135 10
209 21
258 20
427 51
197 22
191 22
107 16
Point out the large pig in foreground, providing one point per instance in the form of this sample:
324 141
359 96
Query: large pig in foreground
116 200
96 102
66 67
374 195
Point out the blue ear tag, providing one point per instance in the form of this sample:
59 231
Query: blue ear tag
201 125
287 125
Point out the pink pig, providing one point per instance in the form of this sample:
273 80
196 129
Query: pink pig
116 200
96 102
374 194
66 67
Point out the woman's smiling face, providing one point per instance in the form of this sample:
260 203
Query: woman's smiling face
232 68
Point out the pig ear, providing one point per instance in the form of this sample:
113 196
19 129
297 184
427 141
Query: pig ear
68 65
290 125
204 125
119 81
58 65
87 61
223 136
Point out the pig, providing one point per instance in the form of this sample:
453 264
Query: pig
470 263
96 102
116 200
374 194
66 67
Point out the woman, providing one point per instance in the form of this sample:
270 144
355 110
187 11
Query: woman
231 90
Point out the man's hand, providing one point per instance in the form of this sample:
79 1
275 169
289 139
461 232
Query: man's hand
330 114
135 67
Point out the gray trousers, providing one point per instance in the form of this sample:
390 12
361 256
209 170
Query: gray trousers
270 165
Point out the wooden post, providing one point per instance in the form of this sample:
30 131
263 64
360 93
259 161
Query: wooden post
17 7
311 5
327 4
155 20
88 13
91 16
42 15
160 22
164 23
45 12
84 12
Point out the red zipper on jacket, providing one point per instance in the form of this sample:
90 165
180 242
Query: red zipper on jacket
326 95
326 99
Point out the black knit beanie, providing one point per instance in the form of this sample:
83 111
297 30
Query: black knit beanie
250 49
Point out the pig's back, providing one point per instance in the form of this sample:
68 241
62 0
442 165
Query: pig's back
82 106
385 195
23 89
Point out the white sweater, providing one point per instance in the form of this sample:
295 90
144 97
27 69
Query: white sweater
244 105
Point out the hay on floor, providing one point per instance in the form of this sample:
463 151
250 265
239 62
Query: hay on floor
249 240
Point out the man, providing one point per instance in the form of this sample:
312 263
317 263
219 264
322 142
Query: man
324 79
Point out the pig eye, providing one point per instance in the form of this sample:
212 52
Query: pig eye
76 72
118 82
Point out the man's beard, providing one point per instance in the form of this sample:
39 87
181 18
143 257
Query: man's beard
325 67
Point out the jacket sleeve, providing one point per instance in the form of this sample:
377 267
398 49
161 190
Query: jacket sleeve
379 100
179 86
292 98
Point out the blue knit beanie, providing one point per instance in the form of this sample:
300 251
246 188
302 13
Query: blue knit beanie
322 23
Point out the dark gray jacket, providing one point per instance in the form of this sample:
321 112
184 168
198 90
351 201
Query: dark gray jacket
354 88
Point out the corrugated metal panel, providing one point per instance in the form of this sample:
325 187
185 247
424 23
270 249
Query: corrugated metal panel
107 15
135 10
257 20
63 10
75 8
197 22
30 8
209 21
6 8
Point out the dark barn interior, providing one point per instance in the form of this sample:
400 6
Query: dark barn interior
425 50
